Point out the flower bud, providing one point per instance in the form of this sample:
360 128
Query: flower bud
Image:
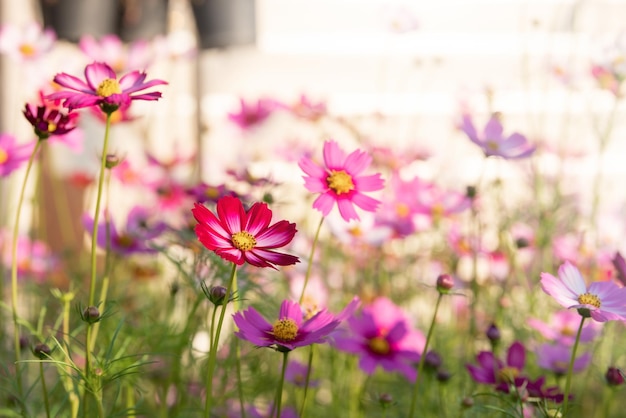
471 192
493 334
445 283
443 375
522 242
217 294
614 376
41 351
385 399
111 161
91 315
467 402
432 360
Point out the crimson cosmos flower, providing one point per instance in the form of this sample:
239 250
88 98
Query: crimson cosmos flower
242 236
103 89
49 121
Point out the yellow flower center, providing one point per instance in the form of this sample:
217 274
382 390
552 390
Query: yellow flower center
52 127
568 331
108 87
493 145
4 156
340 182
285 330
243 241
437 211
125 241
589 299
402 210
379 345
27 50
508 374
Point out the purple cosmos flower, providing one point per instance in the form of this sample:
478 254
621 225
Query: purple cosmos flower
296 373
620 266
241 236
603 301
340 181
12 154
562 326
140 229
492 371
103 89
556 358
382 336
493 143
291 330
48 121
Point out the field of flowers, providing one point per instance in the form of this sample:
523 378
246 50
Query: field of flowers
341 279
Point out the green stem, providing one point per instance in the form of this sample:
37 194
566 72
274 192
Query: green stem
213 349
279 391
570 369
420 367
310 262
44 389
236 307
307 381
14 301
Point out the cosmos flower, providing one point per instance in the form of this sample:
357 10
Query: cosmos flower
103 89
242 236
290 330
491 370
27 43
340 181
35 260
382 336
110 49
135 238
12 154
306 109
620 266
556 358
252 115
48 121
603 301
296 373
437 203
493 143
562 326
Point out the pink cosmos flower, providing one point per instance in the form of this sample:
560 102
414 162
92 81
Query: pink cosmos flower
112 51
493 143
35 260
12 154
306 109
242 236
437 203
48 121
252 115
291 330
603 301
340 181
491 370
382 336
399 207
556 358
28 43
562 326
103 89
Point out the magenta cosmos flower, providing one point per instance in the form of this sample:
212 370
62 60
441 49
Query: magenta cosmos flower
494 143
290 330
103 89
48 121
382 336
340 181
603 301
12 154
242 236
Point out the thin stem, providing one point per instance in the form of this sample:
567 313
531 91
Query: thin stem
236 307
570 369
16 326
213 349
310 262
420 367
307 380
279 391
44 389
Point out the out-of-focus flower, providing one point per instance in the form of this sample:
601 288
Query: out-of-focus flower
103 89
296 373
340 181
241 236
290 331
562 328
614 376
48 121
556 358
27 43
436 203
204 192
12 154
35 260
399 207
304 108
120 115
609 67
494 143
620 266
141 228
110 49
252 115
381 335
602 301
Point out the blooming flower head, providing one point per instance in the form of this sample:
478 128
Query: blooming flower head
289 331
603 301
296 373
27 43
103 89
111 50
48 121
12 154
340 181
34 258
135 238
382 336
306 109
556 357
243 236
494 143
252 115
491 370
562 326
437 203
